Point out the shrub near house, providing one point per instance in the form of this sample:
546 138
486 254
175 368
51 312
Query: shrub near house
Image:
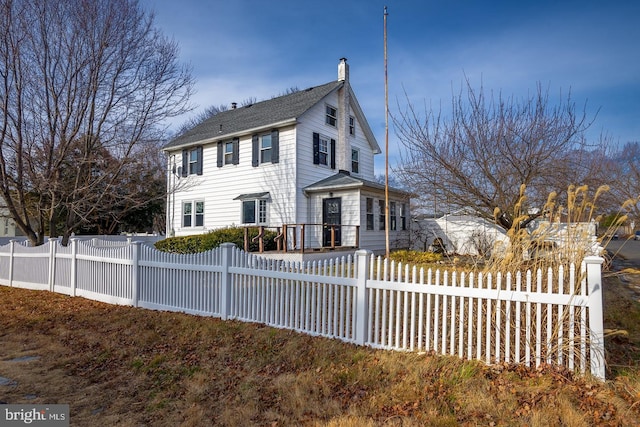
213 239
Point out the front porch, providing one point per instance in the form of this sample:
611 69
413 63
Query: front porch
308 238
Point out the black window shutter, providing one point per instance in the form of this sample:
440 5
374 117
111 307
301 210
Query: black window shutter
185 162
220 154
236 151
275 146
199 162
333 154
255 151
316 148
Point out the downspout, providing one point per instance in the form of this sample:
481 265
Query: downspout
171 195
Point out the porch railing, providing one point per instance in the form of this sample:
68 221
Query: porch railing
308 237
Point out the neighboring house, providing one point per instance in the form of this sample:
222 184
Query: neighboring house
462 232
7 225
303 159
466 233
579 236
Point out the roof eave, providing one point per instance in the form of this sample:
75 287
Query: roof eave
364 123
227 136
333 187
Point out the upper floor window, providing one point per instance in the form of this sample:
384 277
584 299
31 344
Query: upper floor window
355 161
352 126
331 117
324 150
265 148
192 161
229 152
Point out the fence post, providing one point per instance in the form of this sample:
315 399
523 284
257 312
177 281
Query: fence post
12 243
362 296
135 267
596 322
225 280
74 265
52 263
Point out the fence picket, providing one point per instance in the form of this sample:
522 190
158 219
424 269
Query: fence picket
367 299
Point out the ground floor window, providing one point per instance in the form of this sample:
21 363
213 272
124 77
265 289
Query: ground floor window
370 217
381 215
392 216
254 209
375 215
193 214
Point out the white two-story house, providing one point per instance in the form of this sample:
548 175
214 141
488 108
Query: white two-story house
303 160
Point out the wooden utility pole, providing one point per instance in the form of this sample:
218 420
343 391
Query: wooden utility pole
386 142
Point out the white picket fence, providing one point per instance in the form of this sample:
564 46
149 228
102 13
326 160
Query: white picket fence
553 317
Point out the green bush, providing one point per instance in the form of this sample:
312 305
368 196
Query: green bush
213 239
415 257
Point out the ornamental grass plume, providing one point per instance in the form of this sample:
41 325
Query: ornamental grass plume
562 234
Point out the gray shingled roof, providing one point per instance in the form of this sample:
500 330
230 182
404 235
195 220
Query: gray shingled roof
260 114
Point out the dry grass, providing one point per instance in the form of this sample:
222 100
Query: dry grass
558 237
125 366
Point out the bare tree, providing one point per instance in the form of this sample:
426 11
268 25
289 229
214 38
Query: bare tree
138 204
489 147
86 86
623 168
205 114
249 101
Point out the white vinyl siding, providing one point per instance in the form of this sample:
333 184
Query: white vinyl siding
220 186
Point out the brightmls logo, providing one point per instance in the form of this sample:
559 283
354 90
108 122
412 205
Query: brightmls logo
34 415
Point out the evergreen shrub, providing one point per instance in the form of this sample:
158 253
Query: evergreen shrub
213 239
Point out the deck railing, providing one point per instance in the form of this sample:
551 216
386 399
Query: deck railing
308 237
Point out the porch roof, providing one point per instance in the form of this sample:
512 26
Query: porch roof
344 180
253 196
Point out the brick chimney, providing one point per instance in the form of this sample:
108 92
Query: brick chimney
343 148
343 70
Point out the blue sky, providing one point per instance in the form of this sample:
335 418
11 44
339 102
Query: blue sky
243 49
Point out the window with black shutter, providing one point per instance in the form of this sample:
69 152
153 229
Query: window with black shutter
192 161
324 150
265 148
